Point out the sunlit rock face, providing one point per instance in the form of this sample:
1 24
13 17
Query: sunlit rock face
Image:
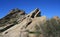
12 18
19 24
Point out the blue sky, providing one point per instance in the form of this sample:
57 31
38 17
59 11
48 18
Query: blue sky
48 8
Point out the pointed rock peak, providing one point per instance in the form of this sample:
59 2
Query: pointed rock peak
16 10
35 13
13 13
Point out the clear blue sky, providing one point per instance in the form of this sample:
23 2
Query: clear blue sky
48 8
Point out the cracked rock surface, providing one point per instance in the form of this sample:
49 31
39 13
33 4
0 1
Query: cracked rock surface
19 24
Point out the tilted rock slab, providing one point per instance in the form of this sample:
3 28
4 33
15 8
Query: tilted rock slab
29 25
23 29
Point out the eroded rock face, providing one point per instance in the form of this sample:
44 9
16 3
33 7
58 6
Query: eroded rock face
19 24
11 19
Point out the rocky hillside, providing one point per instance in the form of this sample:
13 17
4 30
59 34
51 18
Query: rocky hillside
12 18
19 24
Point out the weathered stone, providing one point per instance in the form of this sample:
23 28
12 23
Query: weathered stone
56 17
15 31
11 19
19 24
15 24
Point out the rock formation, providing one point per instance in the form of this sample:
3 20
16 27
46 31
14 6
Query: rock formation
19 24
11 19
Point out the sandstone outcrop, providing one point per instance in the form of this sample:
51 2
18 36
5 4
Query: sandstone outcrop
19 24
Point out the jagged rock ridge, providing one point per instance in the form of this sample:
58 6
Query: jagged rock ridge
11 18
19 24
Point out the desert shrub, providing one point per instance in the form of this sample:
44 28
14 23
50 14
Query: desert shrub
51 27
